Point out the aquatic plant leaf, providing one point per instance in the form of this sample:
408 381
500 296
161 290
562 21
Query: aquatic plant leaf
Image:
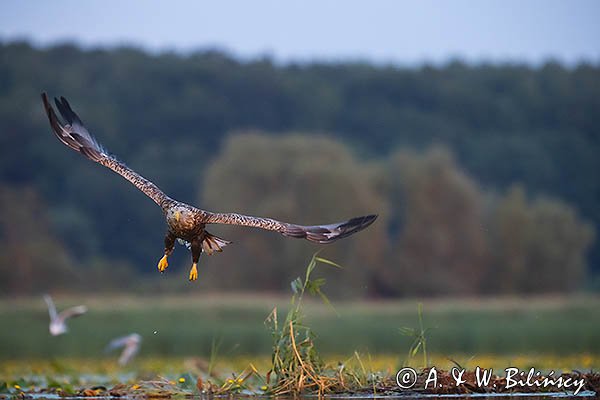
189 382
314 286
329 262
311 266
416 348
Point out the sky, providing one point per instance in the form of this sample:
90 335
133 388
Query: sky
379 31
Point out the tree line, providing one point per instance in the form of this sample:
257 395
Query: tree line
515 148
438 231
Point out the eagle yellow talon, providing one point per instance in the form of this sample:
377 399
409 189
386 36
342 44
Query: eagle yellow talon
193 273
163 263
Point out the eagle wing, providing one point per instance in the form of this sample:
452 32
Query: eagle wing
315 233
74 134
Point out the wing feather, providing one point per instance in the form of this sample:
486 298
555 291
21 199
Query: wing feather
72 312
51 307
315 233
75 135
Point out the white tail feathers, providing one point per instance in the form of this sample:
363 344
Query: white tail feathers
213 243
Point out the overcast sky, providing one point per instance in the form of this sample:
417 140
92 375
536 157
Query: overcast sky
401 32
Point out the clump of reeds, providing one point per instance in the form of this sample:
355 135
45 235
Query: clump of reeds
296 365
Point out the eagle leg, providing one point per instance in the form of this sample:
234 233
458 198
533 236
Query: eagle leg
196 250
169 245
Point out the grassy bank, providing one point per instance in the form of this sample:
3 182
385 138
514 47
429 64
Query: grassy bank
187 326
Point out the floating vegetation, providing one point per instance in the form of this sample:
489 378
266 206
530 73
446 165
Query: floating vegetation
296 367
351 378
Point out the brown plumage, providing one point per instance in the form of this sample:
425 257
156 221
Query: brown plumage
186 222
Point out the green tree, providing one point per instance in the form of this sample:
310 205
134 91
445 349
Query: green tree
510 224
300 179
439 246
537 247
31 259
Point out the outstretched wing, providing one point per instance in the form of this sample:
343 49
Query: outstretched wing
315 233
51 307
130 343
72 312
116 343
73 134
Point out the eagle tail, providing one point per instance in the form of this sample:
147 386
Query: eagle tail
212 243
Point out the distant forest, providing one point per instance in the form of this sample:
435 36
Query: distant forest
483 174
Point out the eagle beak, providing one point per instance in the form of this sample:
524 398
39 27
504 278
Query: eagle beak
177 215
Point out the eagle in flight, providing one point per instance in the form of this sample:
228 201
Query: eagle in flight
186 222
